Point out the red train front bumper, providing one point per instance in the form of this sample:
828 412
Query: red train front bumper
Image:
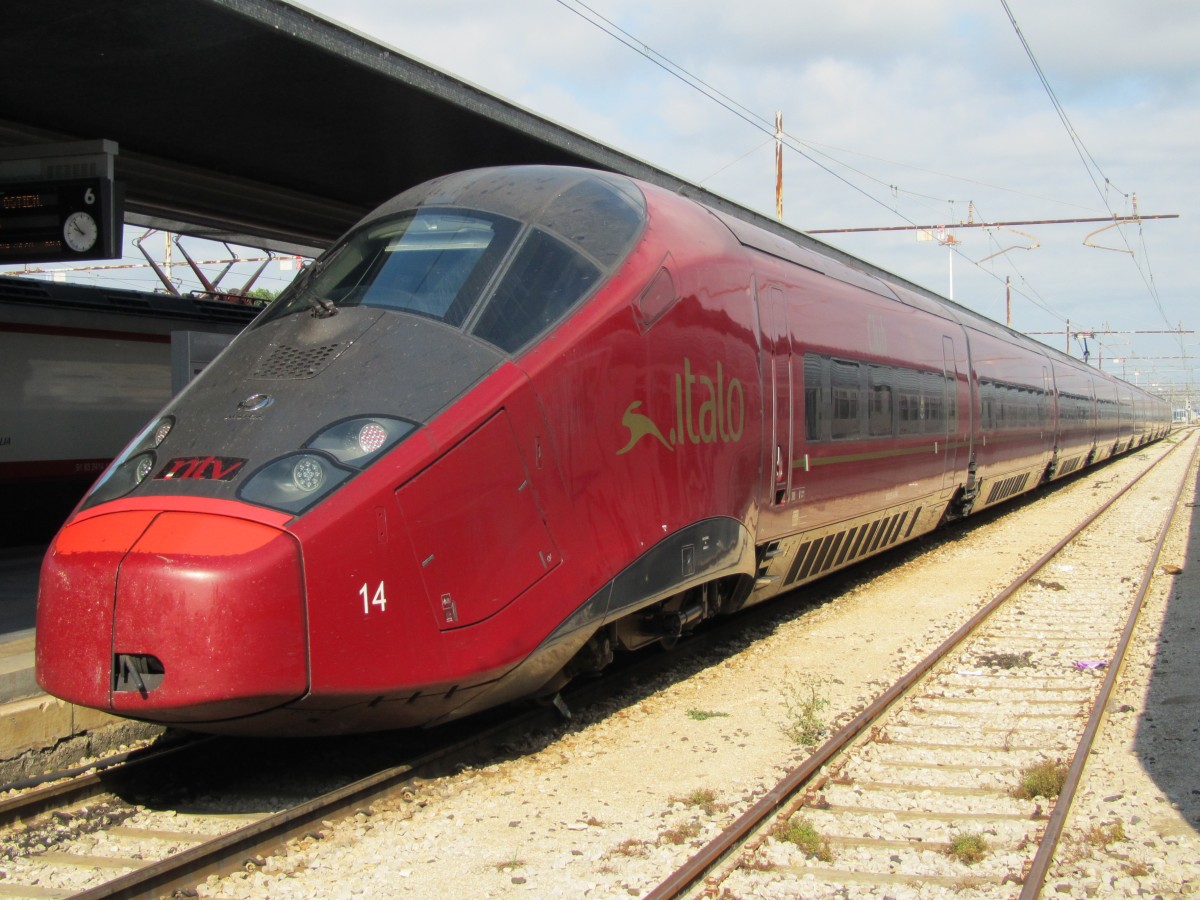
172 616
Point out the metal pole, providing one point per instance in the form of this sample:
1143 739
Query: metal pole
950 251
1008 300
779 165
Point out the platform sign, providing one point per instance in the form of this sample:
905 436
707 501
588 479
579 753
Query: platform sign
60 221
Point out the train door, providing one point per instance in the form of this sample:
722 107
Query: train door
777 347
1049 415
950 411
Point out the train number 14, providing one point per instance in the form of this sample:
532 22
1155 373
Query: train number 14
379 599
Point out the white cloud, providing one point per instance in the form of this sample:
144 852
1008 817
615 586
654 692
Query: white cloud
937 98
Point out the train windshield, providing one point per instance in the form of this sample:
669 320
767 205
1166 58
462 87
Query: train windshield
435 264
505 273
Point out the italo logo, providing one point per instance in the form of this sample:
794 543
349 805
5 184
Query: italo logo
202 468
707 411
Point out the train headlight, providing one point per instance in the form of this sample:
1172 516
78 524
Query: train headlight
371 437
295 482
133 466
358 441
308 474
162 429
143 465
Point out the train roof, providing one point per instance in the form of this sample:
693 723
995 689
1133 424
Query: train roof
31 301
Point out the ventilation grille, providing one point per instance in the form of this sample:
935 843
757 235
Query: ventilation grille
296 362
1002 490
826 553
1070 466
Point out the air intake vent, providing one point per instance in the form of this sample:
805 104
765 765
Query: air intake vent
831 551
297 362
1002 490
1070 466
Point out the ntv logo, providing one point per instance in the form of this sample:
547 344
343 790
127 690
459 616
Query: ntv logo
706 411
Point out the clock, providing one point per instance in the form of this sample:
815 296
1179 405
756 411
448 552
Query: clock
80 231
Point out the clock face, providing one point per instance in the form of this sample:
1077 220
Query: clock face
80 232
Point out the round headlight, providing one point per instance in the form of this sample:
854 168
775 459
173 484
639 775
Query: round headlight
308 474
371 437
360 441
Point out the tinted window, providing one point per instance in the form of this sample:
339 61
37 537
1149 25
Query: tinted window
814 400
545 280
879 413
599 216
844 388
432 263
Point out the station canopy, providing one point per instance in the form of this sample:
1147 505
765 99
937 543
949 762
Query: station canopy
260 122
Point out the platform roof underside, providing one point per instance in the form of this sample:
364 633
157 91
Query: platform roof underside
259 122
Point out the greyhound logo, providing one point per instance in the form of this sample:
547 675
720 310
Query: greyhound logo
640 425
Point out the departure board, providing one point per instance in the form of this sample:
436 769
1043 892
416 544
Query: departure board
56 221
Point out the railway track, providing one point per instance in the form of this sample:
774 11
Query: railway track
163 822
961 775
160 823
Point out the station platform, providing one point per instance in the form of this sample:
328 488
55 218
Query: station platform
38 732
18 606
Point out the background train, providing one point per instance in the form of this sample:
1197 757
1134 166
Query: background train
521 419
83 368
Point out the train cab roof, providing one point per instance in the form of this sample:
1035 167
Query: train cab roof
501 254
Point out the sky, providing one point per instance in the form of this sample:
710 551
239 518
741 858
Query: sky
897 112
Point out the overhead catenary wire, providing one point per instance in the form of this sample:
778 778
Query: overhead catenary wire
743 112
810 153
597 20
1095 173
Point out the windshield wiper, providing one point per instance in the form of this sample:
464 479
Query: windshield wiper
322 307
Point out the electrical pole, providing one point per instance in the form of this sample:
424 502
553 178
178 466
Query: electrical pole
779 165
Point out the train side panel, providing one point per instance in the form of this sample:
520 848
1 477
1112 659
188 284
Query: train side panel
1014 414
867 422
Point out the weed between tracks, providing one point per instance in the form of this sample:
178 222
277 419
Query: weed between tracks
1044 779
804 835
967 848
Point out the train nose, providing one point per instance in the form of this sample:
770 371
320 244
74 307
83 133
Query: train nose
198 617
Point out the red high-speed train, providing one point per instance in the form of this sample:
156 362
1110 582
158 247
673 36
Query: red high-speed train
519 420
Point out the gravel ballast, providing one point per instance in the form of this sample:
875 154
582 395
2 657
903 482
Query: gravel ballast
610 804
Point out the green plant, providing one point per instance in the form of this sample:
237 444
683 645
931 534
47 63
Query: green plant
704 798
967 848
1044 779
804 835
803 699
701 714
